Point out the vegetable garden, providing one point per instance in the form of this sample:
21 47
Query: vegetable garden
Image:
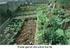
47 24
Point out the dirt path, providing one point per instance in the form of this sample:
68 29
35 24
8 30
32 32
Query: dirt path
27 33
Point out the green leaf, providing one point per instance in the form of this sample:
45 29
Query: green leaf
67 32
60 32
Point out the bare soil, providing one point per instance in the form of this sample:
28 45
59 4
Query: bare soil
27 33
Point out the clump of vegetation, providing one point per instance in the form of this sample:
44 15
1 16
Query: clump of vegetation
53 26
8 36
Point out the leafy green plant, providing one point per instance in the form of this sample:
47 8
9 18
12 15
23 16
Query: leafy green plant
52 26
8 37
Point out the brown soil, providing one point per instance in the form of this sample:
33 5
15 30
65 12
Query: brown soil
27 33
